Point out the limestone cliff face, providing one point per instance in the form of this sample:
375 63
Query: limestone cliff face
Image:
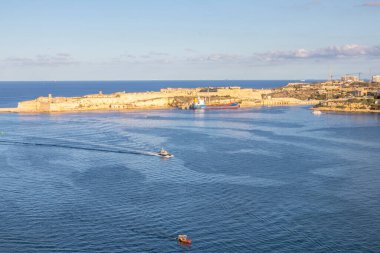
165 98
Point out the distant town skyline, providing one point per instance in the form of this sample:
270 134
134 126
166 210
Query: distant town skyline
188 39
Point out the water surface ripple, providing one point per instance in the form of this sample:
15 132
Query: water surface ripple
251 180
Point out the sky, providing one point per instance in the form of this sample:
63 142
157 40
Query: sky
188 39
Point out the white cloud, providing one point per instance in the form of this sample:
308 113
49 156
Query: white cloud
332 52
150 57
372 4
348 51
190 50
217 58
55 60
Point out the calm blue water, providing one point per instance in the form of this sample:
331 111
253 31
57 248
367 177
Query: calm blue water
250 180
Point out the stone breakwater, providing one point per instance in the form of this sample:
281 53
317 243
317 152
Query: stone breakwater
163 99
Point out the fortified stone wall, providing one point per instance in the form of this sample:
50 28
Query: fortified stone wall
31 105
125 101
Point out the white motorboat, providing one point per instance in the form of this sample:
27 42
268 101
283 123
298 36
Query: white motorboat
164 153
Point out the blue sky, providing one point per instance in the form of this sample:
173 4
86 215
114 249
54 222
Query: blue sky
187 39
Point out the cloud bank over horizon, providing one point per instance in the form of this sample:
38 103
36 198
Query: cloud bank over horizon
347 52
43 60
331 52
372 4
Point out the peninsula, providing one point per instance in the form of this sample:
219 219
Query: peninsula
165 98
348 96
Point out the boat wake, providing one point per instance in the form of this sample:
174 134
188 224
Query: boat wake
152 153
99 149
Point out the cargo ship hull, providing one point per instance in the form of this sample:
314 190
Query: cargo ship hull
215 107
224 106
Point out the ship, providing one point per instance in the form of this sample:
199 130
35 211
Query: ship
223 106
200 104
164 153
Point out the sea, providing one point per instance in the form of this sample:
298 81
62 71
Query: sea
265 179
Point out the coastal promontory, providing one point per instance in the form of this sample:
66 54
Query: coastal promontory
344 96
163 99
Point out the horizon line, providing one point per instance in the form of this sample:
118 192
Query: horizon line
159 80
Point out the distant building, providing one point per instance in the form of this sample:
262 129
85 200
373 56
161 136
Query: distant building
349 78
376 79
356 93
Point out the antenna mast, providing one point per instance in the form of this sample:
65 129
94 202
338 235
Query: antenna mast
329 74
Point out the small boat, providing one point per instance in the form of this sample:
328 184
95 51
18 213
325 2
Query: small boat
317 113
184 239
164 153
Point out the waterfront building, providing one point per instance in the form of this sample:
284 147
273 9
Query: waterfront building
350 78
376 79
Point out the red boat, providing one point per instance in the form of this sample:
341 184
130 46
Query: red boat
184 239
223 106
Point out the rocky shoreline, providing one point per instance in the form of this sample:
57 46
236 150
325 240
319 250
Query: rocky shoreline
334 109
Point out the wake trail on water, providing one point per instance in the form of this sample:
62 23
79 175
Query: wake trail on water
99 149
